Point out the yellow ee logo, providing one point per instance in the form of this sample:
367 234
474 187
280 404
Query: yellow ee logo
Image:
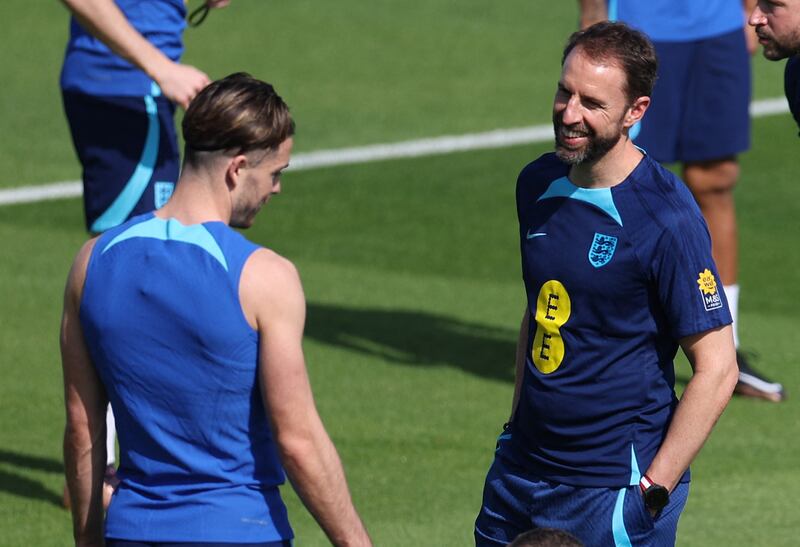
553 308
708 291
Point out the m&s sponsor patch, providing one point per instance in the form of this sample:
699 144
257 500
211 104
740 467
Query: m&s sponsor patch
709 291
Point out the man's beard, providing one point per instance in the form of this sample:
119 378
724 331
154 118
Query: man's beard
594 149
775 51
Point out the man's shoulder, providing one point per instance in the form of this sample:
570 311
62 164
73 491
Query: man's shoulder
542 171
658 204
660 189
270 288
267 262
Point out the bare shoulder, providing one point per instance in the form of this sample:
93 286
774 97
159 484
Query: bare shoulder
270 285
77 274
268 262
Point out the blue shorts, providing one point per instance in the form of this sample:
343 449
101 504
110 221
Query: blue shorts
700 106
129 153
515 501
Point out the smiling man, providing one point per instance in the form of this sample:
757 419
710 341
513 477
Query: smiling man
617 266
194 335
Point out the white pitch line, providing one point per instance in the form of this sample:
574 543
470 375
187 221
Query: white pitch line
500 138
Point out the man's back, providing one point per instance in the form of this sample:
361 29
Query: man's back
166 332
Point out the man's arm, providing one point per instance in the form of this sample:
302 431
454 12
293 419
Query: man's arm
713 359
272 297
85 401
592 11
104 20
519 374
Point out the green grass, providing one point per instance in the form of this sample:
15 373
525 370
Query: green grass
353 72
410 268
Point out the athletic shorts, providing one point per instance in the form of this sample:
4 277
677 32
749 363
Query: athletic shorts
700 104
129 153
515 501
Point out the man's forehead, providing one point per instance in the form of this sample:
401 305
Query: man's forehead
605 71
579 56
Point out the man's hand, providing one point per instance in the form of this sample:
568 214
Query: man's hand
180 83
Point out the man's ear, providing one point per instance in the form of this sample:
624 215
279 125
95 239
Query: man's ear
233 172
636 111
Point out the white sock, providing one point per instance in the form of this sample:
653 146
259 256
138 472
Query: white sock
111 437
732 294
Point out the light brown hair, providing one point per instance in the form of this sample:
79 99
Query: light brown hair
238 113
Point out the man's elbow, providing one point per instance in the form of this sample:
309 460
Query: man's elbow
729 376
295 450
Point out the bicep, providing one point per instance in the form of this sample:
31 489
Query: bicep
710 349
275 296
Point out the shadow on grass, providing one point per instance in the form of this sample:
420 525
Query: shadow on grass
25 487
416 338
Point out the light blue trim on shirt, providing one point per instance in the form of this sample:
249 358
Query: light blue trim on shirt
172 230
636 476
132 192
599 197
621 538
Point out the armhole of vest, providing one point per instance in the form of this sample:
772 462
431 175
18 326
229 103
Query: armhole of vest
89 263
237 281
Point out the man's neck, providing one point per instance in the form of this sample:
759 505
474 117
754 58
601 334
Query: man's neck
197 199
610 170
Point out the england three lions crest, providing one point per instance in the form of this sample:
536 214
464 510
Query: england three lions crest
602 250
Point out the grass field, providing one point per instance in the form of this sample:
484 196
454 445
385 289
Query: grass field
410 267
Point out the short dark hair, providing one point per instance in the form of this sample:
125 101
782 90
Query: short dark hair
618 43
545 537
238 113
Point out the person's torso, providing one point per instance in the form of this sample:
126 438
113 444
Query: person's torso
598 395
91 67
679 20
166 332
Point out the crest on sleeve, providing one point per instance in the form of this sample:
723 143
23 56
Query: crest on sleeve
602 250
709 291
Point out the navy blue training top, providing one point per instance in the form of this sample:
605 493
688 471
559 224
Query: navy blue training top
165 330
614 278
791 84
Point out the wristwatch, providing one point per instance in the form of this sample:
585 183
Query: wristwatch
656 497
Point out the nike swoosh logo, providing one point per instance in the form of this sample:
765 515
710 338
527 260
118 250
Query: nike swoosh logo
535 234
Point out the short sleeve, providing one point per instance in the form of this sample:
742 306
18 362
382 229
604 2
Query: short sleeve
686 278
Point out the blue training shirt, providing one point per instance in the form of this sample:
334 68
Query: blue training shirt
679 20
164 326
614 278
91 67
